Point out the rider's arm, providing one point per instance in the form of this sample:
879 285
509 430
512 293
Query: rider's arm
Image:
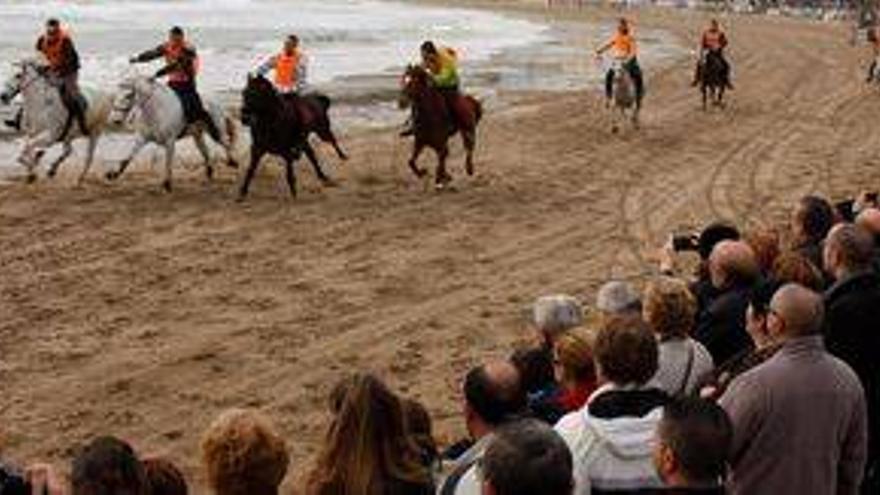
185 62
148 55
266 66
604 48
71 59
302 72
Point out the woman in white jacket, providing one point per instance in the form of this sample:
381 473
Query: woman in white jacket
611 436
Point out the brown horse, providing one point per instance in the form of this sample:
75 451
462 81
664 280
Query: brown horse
434 122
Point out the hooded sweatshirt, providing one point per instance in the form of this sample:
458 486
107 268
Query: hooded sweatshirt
611 440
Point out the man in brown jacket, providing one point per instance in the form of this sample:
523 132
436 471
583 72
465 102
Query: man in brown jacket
800 419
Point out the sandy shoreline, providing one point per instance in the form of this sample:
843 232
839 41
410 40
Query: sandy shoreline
126 311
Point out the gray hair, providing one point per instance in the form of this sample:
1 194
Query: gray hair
556 314
617 297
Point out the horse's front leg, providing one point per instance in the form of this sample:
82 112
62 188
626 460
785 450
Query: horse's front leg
313 159
705 98
32 152
289 173
418 147
139 143
90 156
66 150
442 177
206 154
256 156
169 163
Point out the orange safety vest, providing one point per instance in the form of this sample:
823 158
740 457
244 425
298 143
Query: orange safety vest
54 50
172 54
712 40
285 70
624 45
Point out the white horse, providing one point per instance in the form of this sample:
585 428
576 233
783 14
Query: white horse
623 96
45 116
158 118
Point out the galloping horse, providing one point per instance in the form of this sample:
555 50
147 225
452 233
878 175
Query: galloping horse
159 118
713 80
433 125
45 116
623 96
280 127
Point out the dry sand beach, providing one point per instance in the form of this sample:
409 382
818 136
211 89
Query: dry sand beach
124 310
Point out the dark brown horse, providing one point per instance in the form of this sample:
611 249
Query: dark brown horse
435 121
281 126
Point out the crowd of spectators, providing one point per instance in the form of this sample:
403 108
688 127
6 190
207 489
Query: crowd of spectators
759 373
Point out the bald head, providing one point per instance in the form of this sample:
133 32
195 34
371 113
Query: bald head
848 249
797 311
731 263
494 393
869 220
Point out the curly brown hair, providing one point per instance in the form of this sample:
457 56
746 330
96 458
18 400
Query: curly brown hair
766 245
626 351
669 307
796 268
243 455
575 355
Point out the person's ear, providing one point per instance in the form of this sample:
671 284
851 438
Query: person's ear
668 464
488 489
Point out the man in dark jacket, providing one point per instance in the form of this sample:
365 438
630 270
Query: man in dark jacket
181 68
852 330
812 219
733 271
63 59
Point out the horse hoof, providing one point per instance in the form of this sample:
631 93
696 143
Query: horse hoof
615 130
469 168
166 185
31 178
232 164
328 182
51 174
209 173
343 157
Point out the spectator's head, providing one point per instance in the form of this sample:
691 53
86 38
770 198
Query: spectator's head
625 352
849 249
792 267
693 440
573 360
765 244
812 219
164 477
243 454
670 308
732 263
368 441
869 219
527 457
618 298
493 394
108 466
712 235
553 315
758 313
795 311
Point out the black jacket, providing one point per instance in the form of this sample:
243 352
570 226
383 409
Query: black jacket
721 326
852 333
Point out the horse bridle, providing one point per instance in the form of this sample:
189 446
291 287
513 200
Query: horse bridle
28 83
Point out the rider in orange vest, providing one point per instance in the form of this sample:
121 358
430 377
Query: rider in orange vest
713 42
57 46
874 39
624 48
290 67
181 68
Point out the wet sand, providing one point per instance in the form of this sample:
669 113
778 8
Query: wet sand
127 311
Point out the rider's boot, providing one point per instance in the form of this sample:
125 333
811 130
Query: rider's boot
79 113
15 122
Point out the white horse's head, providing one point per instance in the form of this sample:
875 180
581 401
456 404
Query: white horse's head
127 99
27 72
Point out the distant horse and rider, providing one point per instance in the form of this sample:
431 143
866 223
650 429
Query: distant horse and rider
624 82
713 70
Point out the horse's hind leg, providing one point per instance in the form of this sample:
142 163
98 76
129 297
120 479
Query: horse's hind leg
206 154
290 175
169 163
469 137
442 177
313 159
66 150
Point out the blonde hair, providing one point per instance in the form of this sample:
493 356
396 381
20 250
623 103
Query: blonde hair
670 308
243 455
